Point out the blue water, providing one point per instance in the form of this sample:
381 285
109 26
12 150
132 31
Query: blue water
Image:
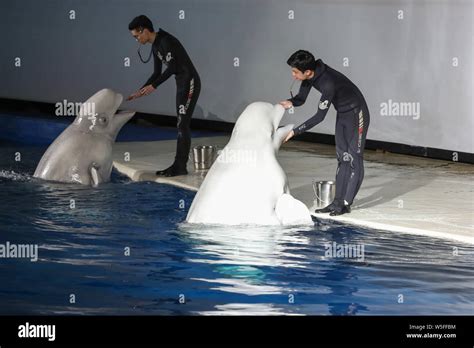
37 130
213 270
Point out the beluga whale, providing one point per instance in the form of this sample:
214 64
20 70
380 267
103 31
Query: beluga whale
246 184
82 153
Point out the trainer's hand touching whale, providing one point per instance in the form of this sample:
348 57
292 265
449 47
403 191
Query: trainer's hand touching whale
246 184
83 151
147 90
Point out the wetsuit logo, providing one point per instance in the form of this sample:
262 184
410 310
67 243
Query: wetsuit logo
361 130
324 105
190 94
167 58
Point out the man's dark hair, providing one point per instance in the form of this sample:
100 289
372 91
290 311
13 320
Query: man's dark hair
302 60
140 22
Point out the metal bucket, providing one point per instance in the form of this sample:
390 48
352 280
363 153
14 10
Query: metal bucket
204 156
325 191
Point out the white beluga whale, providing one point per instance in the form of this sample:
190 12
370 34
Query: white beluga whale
82 153
246 184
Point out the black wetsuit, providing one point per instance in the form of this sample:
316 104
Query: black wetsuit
169 51
352 123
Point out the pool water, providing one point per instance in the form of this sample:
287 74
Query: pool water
124 249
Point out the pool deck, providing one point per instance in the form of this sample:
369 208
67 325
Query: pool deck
403 194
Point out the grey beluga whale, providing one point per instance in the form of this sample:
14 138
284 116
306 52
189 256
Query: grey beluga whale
82 153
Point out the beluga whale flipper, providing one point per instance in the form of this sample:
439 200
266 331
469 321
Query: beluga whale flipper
82 153
246 184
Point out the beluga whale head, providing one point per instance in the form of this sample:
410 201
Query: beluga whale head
98 114
82 153
259 123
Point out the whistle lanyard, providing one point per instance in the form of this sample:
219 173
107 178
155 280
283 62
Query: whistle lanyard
291 88
141 58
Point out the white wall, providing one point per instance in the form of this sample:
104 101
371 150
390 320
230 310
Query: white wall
403 60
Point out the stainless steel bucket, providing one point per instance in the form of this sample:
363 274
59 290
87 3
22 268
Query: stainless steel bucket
204 156
325 191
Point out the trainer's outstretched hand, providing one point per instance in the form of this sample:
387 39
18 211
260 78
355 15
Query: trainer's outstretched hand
289 136
135 95
147 90
286 104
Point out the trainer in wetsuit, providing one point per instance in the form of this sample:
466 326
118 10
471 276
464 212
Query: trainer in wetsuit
352 122
168 50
